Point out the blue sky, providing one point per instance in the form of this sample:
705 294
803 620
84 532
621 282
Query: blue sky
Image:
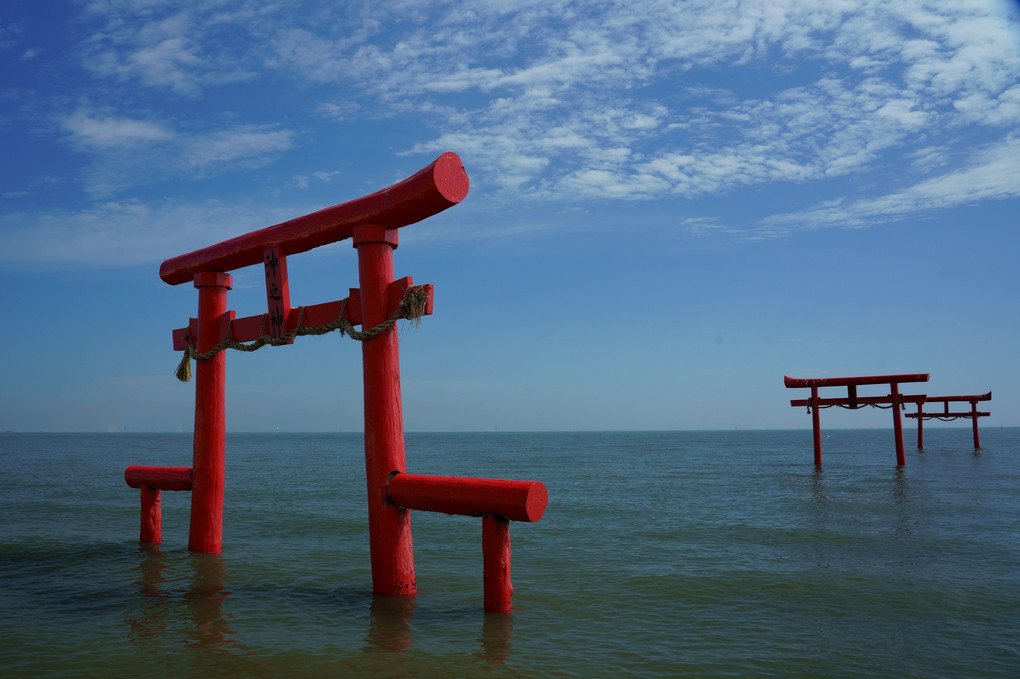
673 204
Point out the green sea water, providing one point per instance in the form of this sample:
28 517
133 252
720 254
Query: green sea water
661 554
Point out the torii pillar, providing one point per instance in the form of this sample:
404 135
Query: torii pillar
209 456
389 526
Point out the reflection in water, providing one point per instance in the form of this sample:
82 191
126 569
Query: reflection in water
821 517
160 618
175 610
390 627
151 621
900 487
818 491
497 637
900 498
205 603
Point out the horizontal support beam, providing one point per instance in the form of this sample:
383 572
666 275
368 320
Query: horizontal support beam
960 399
793 382
861 401
514 500
250 328
159 478
431 190
934 416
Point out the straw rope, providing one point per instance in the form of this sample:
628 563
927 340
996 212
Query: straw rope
901 404
412 308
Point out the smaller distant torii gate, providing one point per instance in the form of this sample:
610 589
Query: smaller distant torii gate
893 401
945 415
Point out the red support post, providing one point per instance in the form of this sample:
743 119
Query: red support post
920 425
496 583
152 480
974 423
816 425
389 526
513 500
497 501
206 528
894 395
161 478
151 530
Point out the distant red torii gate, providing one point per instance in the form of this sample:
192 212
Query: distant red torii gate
894 400
973 414
371 222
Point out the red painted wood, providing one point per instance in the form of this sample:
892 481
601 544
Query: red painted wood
438 186
248 328
152 480
959 399
498 589
514 500
967 414
861 401
973 413
852 400
793 382
920 425
206 528
389 527
816 425
277 290
151 530
974 423
160 478
901 458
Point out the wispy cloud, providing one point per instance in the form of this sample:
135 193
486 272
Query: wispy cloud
247 143
163 45
126 233
990 175
874 78
105 132
127 152
543 99
566 100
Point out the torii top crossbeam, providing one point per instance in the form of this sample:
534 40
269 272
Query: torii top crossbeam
431 190
852 400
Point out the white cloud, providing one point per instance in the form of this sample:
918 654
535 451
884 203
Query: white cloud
106 132
992 174
242 144
166 45
561 99
127 152
127 233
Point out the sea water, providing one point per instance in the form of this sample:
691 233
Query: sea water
661 554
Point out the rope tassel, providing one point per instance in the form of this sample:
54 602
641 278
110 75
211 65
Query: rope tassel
184 367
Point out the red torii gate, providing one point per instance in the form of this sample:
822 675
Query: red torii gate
371 222
894 400
972 415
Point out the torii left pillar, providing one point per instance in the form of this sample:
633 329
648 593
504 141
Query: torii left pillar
206 530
